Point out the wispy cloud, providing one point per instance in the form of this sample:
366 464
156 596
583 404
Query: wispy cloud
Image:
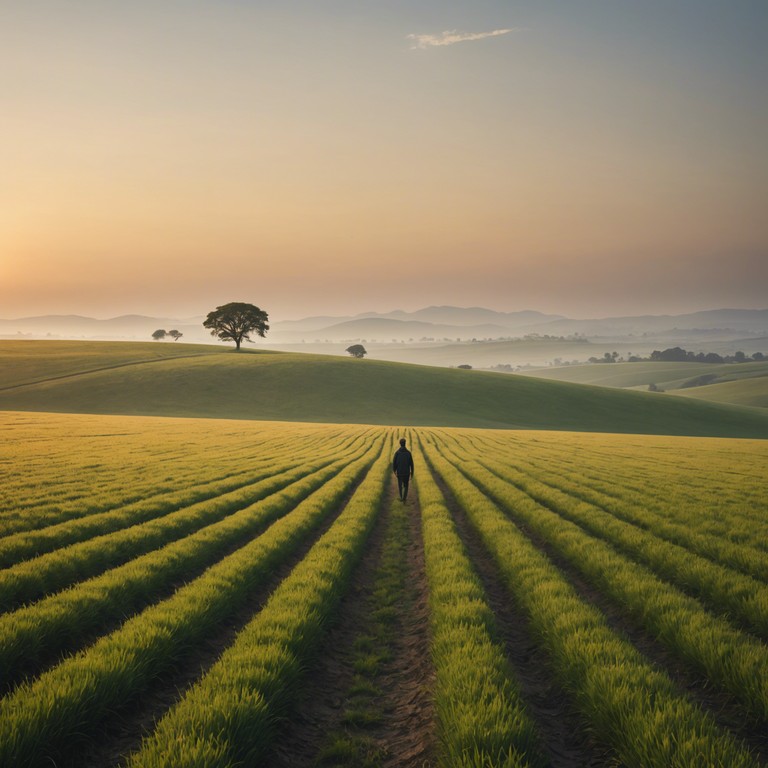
453 36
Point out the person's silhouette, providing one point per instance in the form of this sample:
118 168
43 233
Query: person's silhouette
402 466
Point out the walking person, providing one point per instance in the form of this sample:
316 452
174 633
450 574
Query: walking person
402 466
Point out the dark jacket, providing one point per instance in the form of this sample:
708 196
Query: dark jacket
402 464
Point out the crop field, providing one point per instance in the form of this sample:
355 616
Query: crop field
189 592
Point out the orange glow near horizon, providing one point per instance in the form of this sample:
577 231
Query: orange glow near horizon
322 163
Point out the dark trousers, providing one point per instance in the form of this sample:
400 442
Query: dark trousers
402 485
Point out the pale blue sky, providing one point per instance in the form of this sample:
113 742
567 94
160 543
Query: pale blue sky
589 158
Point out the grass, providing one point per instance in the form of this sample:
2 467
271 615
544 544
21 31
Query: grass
670 530
91 377
355 752
254 680
482 719
629 702
27 361
646 578
50 713
752 391
733 383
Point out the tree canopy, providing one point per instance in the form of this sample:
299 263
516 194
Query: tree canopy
158 334
236 321
357 350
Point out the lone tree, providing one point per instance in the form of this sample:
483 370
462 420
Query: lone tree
235 321
357 350
175 335
158 334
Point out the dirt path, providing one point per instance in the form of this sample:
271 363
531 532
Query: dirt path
410 680
400 731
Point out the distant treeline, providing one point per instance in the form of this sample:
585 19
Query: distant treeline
671 355
677 354
680 355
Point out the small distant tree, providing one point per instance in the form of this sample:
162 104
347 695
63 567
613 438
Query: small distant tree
175 335
357 350
237 321
159 334
465 367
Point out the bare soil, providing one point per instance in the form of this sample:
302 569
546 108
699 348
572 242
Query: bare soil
404 737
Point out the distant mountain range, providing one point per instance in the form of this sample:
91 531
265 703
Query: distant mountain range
449 316
441 323
437 324
431 323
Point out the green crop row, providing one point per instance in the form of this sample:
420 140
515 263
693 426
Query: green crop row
682 530
631 465
57 570
99 463
714 486
482 719
731 659
17 547
631 704
22 545
44 575
49 715
84 489
228 717
40 630
735 594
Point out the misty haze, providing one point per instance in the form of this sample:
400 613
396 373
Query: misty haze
384 385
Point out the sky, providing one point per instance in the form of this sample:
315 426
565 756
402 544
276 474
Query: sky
583 157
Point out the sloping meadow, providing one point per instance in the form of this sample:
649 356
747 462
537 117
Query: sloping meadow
167 379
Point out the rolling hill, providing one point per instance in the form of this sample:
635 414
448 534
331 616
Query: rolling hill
735 383
210 381
747 391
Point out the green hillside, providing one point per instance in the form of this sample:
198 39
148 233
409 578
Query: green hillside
621 374
717 382
22 362
747 391
210 381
